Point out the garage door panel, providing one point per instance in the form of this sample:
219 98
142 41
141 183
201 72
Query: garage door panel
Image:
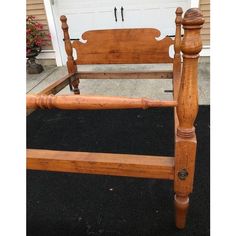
87 15
83 4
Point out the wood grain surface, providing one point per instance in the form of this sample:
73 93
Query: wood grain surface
101 163
123 46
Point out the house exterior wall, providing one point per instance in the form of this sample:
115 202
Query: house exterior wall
204 6
36 8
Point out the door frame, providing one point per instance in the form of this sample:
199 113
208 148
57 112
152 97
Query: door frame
55 41
53 31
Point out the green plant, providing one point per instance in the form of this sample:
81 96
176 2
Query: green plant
35 37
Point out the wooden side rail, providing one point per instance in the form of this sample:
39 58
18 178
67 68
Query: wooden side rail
126 75
57 86
74 102
101 163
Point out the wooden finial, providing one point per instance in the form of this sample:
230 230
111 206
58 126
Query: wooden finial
71 65
63 20
177 59
193 19
68 46
192 24
178 21
188 94
178 12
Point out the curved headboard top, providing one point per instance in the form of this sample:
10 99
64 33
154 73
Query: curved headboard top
123 46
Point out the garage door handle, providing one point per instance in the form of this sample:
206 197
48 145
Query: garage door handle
115 13
122 13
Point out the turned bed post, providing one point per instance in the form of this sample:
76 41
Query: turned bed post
177 56
187 108
71 65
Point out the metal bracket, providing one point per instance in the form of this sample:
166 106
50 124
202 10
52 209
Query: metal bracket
168 91
72 39
183 174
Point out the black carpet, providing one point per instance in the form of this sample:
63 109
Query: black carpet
79 204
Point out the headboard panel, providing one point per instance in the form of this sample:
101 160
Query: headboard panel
123 46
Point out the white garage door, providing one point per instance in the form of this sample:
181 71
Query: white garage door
84 15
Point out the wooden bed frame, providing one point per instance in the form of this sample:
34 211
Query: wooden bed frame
134 46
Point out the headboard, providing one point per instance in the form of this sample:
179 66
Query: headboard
118 46
123 46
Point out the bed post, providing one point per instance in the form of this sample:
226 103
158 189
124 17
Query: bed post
71 65
177 58
187 108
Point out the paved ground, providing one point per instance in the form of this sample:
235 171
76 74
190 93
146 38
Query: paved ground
133 88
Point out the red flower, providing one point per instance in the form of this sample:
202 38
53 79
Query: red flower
35 36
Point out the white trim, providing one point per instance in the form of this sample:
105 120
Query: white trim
194 3
205 51
47 54
53 32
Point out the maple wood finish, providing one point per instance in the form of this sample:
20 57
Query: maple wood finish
185 143
123 46
132 46
74 102
71 66
54 88
177 57
102 163
126 75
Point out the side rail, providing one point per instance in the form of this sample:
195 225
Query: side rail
79 102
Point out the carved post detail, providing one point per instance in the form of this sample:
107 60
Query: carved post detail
71 65
185 144
177 57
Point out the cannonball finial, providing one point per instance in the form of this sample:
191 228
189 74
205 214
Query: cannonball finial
193 18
